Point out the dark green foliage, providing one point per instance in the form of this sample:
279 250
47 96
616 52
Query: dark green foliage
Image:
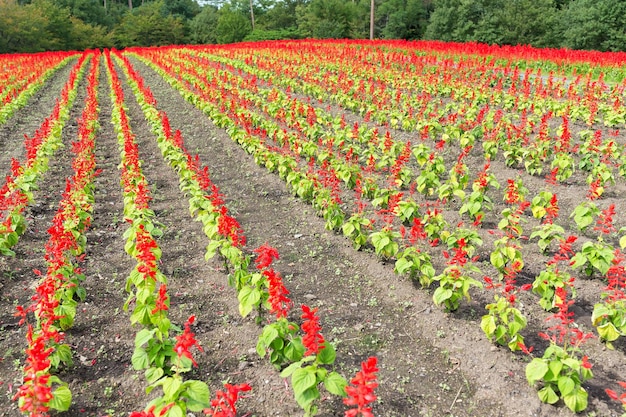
267 35
45 26
232 26
328 19
526 22
149 25
595 24
202 27
402 19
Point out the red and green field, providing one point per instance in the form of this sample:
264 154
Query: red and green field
313 228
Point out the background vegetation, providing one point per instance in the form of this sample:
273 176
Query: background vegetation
39 25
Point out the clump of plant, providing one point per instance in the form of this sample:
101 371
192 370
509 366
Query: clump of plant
553 278
562 370
609 316
597 256
454 281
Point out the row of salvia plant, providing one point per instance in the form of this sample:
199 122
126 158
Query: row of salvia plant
300 351
53 306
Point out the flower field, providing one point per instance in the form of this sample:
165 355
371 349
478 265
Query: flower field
332 228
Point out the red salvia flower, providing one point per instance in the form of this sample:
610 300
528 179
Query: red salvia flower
266 255
149 413
313 340
162 300
186 341
552 210
614 396
595 189
278 299
224 403
362 392
605 221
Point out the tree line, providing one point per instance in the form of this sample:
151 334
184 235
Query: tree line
40 25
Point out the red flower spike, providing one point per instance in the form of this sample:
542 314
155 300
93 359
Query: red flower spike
266 255
162 300
149 413
186 341
279 302
361 393
224 403
313 341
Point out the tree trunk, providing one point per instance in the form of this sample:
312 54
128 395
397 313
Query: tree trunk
372 20
252 14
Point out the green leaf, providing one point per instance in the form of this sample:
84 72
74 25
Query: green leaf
566 385
302 379
171 386
294 350
286 373
198 394
153 374
64 354
536 370
577 401
141 314
327 355
547 395
402 264
62 398
488 324
143 336
248 298
175 411
211 249
608 332
578 260
555 368
441 295
335 384
306 397
600 311
140 359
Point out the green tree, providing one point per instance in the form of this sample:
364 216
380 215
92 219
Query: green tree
530 22
232 25
45 26
86 36
526 22
89 11
149 25
203 27
281 15
328 19
443 20
402 19
22 29
595 24
185 9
